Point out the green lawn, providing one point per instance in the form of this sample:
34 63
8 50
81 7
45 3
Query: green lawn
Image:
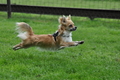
97 59
95 4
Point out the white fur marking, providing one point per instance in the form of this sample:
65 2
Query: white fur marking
67 36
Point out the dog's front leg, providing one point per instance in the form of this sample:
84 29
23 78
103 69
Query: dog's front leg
67 44
73 43
70 44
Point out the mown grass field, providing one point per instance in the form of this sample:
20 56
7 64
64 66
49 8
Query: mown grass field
94 4
97 59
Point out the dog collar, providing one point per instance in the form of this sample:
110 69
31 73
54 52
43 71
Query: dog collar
54 35
65 36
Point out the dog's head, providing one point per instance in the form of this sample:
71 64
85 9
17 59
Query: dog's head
66 23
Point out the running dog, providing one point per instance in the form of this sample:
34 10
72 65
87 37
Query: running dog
60 39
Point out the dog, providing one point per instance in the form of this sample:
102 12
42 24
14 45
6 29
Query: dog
60 39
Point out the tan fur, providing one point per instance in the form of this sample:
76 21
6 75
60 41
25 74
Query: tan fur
46 41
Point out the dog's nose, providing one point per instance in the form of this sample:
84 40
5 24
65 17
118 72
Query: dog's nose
75 27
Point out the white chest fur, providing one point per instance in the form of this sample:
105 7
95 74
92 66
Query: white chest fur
67 36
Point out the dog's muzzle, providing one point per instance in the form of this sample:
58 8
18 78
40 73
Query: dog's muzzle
73 29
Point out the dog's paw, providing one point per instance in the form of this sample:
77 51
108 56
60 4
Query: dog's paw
16 48
79 42
61 47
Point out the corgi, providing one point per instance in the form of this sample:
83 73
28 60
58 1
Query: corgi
60 39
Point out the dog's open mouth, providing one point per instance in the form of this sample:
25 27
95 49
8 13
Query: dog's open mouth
73 29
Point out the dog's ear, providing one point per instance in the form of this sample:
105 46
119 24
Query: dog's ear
62 20
69 17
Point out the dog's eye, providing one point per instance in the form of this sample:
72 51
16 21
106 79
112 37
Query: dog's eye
70 25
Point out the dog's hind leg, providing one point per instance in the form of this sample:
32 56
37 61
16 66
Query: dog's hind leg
18 46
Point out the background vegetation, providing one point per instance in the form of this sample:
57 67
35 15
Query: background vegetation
94 4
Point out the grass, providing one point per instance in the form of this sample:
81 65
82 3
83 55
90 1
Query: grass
97 59
94 4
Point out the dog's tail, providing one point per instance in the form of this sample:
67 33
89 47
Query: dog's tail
24 30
